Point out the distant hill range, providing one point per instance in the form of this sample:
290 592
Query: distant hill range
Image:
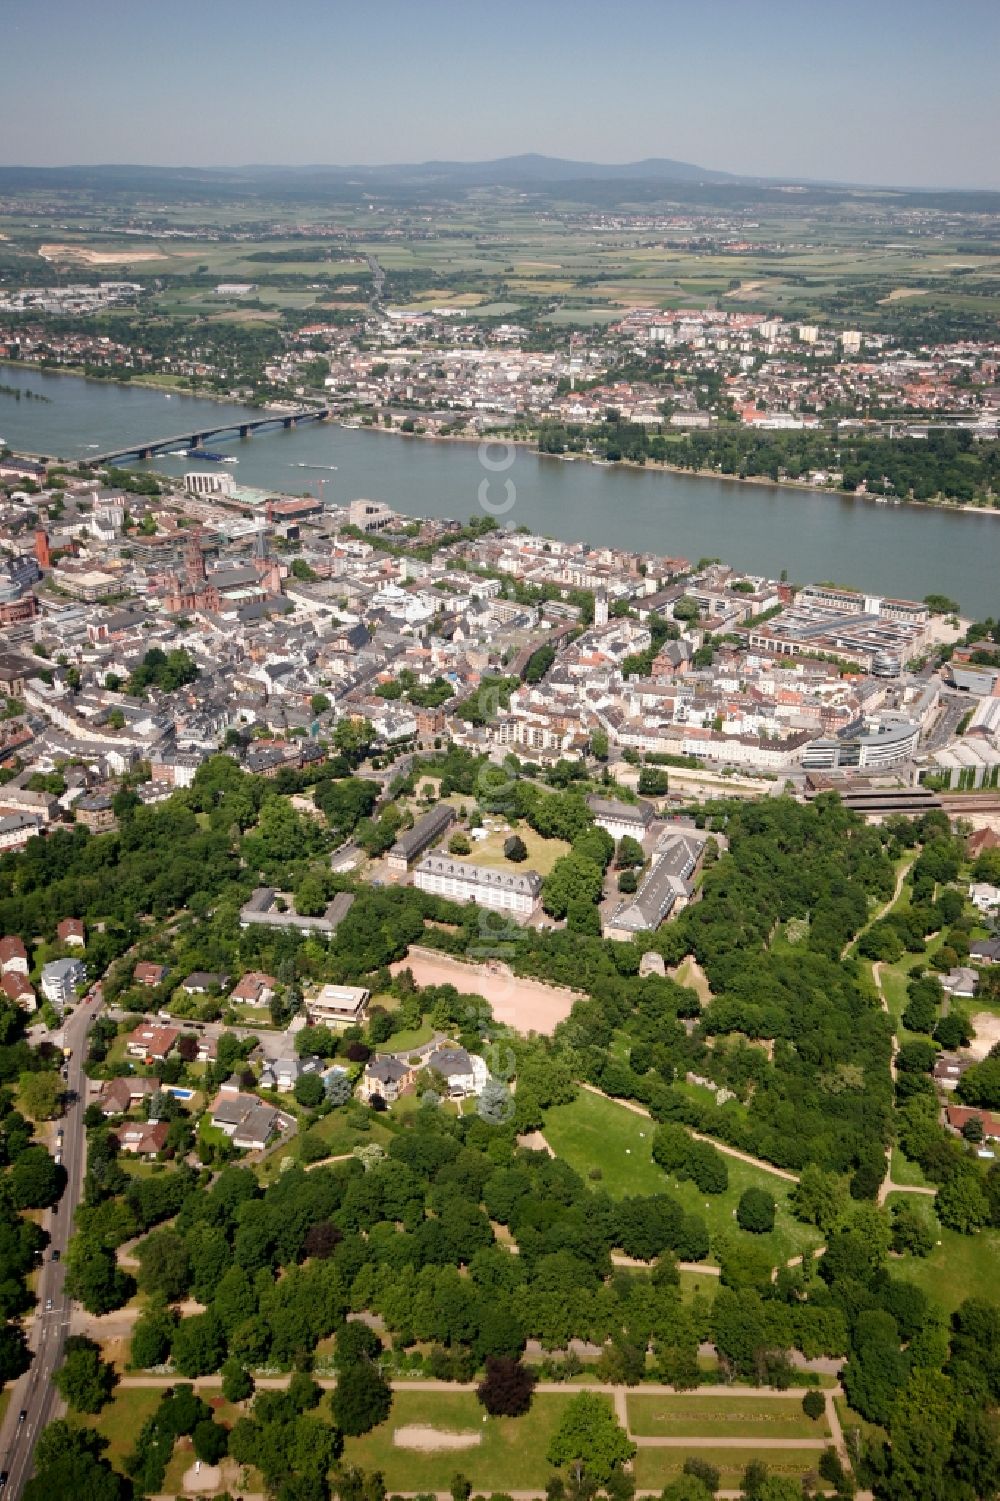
597 183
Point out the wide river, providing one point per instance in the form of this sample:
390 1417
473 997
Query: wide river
903 550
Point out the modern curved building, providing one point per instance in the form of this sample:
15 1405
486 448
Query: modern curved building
864 747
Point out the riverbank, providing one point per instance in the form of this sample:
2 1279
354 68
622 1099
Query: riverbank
655 466
168 384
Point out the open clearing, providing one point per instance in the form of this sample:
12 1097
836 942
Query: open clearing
987 1029
428 1440
959 1266
525 1005
593 1132
653 1468
757 1419
509 1457
542 853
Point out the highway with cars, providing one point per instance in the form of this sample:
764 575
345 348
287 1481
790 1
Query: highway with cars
34 1401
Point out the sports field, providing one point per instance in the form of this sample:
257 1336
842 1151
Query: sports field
525 1005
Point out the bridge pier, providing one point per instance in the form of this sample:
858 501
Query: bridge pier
246 430
145 453
288 422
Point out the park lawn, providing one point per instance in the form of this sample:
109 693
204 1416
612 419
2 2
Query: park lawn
183 1456
542 853
693 1283
338 1134
119 1422
596 1133
653 1468
959 1267
510 1455
902 1170
752 1418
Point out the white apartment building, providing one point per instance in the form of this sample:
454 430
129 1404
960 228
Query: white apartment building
516 892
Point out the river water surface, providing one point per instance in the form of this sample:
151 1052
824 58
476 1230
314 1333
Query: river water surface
905 550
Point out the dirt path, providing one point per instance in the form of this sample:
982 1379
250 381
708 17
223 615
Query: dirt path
887 1186
904 871
682 1441
727 1151
535 1142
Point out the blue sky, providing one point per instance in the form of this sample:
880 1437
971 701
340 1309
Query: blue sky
887 91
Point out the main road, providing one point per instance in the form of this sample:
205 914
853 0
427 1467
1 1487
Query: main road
33 1394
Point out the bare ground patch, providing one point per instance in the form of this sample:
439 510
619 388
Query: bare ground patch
85 257
900 294
987 1028
525 1005
427 1440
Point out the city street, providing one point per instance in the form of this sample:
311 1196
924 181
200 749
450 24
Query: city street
33 1394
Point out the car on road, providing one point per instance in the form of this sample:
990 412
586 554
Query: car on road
22 1415
3 1480
48 1305
56 1255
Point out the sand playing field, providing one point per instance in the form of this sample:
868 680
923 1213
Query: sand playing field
525 1005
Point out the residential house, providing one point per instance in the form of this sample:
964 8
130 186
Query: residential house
208 1049
961 982
13 957
386 1077
985 950
17 988
283 1073
71 932
949 1068
149 974
245 1119
981 840
151 1043
119 1096
254 989
200 982
984 897
142 1138
338 1006
463 1073
16 829
960 1115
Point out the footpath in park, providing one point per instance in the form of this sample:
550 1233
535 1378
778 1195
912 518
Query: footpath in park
727 1151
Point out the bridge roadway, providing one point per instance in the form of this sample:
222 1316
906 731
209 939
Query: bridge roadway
189 439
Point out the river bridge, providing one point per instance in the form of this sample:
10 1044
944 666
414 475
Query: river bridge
242 428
